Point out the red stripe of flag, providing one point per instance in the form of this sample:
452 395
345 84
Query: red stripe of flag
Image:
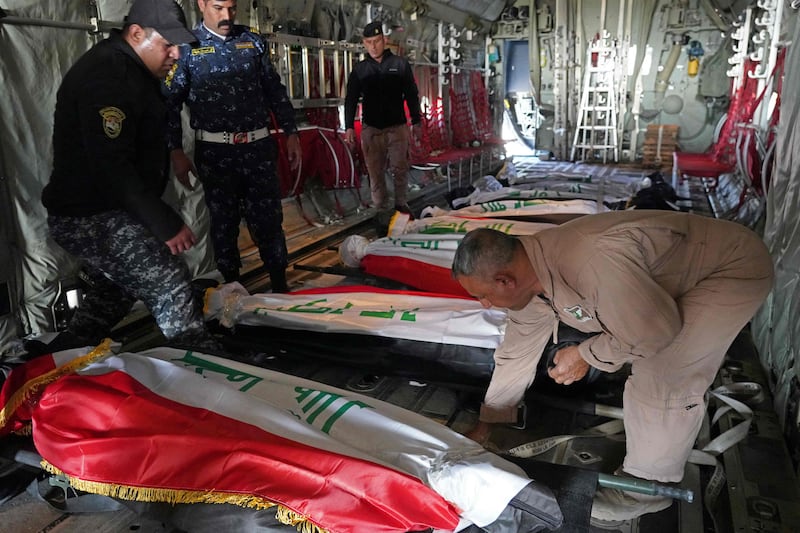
13 414
111 429
419 274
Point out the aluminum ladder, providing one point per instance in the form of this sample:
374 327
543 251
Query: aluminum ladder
596 134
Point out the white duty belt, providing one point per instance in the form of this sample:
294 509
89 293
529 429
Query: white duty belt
231 137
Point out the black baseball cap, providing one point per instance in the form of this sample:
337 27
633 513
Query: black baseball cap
372 29
164 16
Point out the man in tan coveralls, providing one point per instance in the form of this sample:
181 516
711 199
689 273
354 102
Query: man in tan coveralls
667 292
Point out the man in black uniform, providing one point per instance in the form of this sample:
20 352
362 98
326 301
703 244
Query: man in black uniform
110 168
384 81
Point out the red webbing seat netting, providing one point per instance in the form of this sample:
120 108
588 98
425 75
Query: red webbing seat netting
421 146
340 166
470 115
728 150
470 120
325 155
433 139
463 116
483 114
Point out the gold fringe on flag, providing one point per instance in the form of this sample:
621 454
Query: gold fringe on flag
142 494
173 496
29 389
24 431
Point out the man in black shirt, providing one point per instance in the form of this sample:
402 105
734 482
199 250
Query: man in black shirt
110 168
384 82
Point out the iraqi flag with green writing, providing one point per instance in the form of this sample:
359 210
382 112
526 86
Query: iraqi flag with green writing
419 253
181 427
418 316
424 336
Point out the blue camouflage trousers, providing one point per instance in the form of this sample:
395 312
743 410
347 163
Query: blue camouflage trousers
126 262
241 181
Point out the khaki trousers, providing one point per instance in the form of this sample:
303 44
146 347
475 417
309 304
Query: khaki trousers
382 146
664 396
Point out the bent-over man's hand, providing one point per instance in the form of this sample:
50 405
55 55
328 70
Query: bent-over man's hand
350 136
294 152
182 241
570 366
182 165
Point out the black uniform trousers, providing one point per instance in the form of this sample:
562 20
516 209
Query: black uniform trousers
240 180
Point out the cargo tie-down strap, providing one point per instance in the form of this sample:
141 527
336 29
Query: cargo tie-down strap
704 456
707 455
607 429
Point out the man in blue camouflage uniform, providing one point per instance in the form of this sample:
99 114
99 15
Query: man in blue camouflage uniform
384 82
230 87
110 168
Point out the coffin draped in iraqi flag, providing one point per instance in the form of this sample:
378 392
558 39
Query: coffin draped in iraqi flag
419 253
432 337
418 316
169 425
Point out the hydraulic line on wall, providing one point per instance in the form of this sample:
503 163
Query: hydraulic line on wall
561 88
534 66
624 30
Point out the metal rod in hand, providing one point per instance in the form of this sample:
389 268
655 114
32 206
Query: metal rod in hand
579 406
644 486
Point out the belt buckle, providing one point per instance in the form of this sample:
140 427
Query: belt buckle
241 137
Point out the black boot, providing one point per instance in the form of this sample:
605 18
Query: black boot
277 278
65 340
197 339
403 208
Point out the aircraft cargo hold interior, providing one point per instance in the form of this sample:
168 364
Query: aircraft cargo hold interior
571 309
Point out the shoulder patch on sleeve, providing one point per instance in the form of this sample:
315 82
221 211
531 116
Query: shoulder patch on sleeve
170 75
112 121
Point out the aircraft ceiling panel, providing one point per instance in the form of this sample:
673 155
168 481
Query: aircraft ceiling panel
484 9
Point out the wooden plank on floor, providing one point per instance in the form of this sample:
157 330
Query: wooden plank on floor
660 142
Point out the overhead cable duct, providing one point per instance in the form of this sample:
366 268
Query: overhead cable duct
94 26
91 28
443 12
